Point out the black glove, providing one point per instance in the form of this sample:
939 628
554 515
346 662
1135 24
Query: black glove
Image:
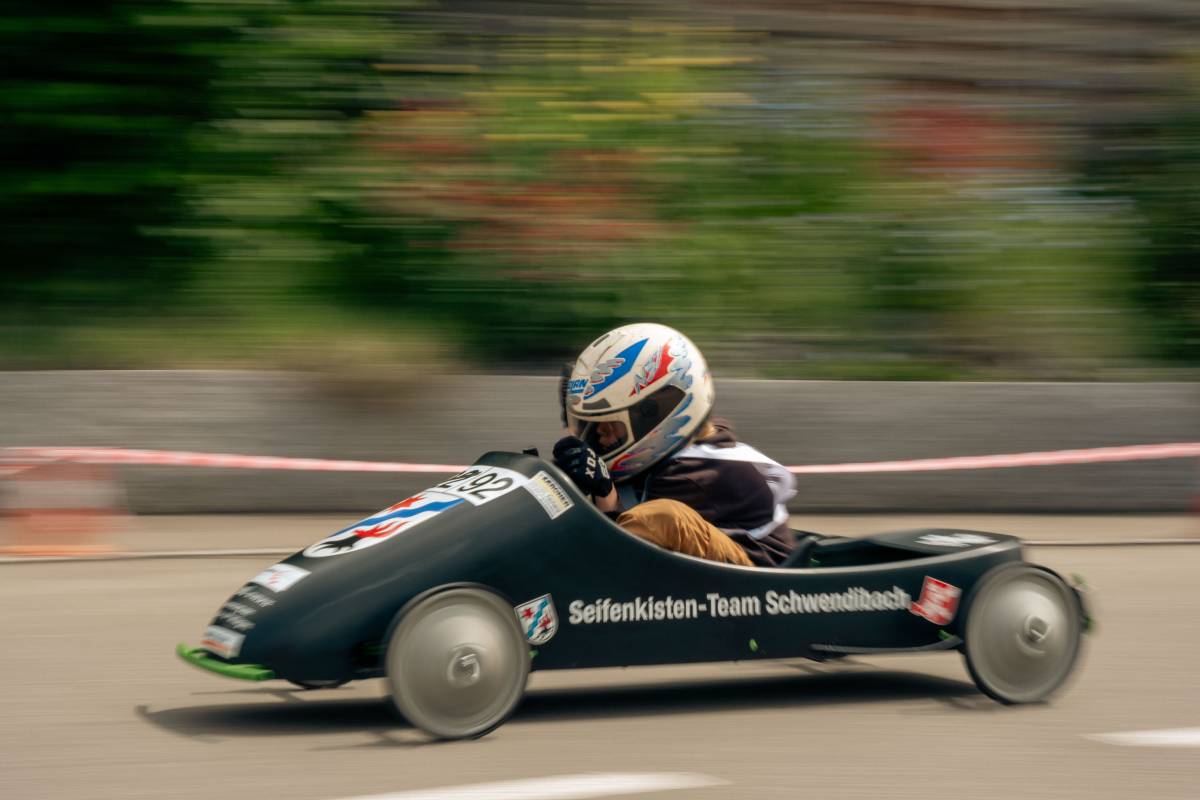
584 467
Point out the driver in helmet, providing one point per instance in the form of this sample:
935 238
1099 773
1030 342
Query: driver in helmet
637 405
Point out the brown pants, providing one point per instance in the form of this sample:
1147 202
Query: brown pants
675 526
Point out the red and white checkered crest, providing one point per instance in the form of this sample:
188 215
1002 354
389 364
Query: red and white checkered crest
938 602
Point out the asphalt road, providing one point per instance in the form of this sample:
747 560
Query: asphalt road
95 705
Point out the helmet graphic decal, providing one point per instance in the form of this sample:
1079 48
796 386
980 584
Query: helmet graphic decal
613 369
654 369
681 369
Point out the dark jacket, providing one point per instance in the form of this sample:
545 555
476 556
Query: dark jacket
732 495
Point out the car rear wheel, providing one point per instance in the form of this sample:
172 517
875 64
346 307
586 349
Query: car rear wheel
1022 633
457 663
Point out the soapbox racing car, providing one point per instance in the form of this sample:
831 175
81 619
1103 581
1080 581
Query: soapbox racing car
454 594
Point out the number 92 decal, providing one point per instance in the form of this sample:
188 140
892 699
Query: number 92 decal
479 484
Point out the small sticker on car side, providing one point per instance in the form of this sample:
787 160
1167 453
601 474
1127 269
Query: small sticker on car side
279 577
538 619
222 641
938 602
553 499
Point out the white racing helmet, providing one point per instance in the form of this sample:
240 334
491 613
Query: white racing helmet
652 380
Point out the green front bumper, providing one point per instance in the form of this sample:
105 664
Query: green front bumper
198 656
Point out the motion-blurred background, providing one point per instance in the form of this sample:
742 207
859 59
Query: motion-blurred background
871 189
289 228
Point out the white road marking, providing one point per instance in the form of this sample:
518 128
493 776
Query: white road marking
1173 737
560 787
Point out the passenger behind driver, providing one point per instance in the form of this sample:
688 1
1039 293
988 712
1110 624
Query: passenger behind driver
637 405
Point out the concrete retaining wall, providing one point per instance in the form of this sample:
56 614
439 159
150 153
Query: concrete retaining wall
454 419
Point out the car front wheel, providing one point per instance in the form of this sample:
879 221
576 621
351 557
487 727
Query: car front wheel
457 663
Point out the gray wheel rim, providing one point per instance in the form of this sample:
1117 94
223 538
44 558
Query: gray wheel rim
457 663
1022 634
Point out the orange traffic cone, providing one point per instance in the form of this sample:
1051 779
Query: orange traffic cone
59 509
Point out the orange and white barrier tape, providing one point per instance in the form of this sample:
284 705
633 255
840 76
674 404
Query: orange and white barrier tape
1091 455
60 501
173 458
114 455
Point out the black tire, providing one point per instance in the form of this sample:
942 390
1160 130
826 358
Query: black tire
1022 633
457 662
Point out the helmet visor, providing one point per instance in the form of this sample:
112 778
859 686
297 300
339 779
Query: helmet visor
604 436
646 415
611 433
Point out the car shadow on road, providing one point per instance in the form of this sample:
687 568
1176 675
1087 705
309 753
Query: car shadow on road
657 699
279 713
299 712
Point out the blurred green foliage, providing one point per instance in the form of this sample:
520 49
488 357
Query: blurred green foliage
1155 171
359 185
